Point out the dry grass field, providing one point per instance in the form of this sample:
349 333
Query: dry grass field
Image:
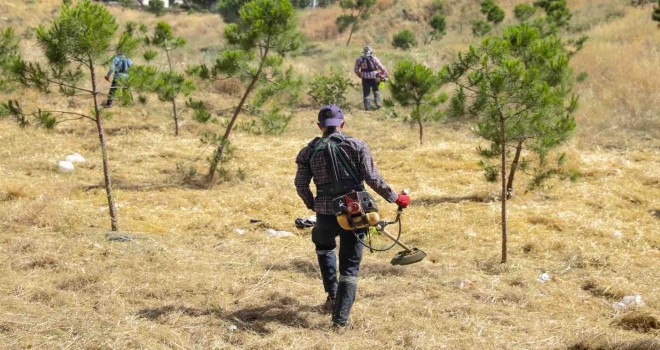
199 275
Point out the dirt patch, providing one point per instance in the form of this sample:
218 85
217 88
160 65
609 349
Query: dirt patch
641 322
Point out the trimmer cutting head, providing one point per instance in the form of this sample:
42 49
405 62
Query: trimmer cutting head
407 257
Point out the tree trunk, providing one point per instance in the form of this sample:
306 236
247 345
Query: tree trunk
176 116
217 156
350 34
503 164
514 167
421 130
104 152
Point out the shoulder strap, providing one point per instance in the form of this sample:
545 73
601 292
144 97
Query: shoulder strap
331 143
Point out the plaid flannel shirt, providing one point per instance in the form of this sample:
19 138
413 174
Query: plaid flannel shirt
359 156
361 67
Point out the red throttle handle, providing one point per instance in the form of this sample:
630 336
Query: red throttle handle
403 200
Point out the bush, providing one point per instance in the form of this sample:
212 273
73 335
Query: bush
481 27
524 12
438 23
157 7
404 39
228 9
493 12
330 89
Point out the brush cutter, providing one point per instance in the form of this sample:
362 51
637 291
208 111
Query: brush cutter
361 212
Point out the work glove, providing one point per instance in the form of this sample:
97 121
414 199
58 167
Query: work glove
403 200
107 79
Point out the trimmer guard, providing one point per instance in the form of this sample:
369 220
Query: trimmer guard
407 257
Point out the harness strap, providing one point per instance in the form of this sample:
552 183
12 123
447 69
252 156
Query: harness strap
333 152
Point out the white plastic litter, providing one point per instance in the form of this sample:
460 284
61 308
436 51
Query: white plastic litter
275 233
66 166
617 234
628 301
240 231
75 158
544 277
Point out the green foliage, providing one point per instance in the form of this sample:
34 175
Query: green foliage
330 89
8 55
344 21
229 9
556 10
582 77
127 3
520 81
81 34
524 11
358 10
656 13
275 121
264 34
150 55
404 39
481 27
439 25
266 24
157 7
493 12
414 84
200 111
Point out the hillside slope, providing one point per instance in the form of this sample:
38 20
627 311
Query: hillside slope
199 273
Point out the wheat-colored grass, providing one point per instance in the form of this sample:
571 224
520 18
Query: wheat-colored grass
199 275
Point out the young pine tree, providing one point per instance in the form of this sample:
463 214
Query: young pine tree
74 44
519 86
358 10
169 84
414 84
263 35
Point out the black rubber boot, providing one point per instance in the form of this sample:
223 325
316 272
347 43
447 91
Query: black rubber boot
367 104
344 301
328 265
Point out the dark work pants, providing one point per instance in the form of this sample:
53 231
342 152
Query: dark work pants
350 251
111 93
369 85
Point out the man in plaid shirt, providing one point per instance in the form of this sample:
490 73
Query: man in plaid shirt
369 68
341 291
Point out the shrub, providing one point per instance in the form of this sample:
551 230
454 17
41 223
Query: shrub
404 39
157 7
481 27
438 23
524 12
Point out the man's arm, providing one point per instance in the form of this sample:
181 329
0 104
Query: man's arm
356 69
304 178
372 178
112 68
380 66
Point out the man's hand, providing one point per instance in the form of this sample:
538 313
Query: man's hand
106 78
403 200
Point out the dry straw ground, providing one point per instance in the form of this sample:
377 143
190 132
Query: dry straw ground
199 275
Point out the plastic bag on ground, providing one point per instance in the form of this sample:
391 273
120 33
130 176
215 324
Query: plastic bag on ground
66 166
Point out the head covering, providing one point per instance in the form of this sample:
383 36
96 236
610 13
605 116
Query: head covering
330 115
367 51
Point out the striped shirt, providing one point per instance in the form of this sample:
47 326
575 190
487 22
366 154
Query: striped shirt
358 154
362 67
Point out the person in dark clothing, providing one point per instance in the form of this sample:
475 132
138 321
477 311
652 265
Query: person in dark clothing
118 70
314 165
369 69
